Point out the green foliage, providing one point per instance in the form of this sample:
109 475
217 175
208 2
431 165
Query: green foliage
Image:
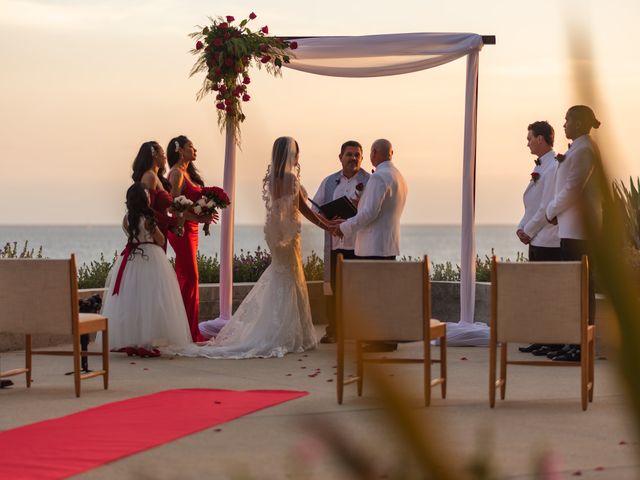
446 272
627 201
10 250
313 267
208 268
95 274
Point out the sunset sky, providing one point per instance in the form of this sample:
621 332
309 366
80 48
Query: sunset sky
85 82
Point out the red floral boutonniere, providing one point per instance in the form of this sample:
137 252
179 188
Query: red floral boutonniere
560 157
535 176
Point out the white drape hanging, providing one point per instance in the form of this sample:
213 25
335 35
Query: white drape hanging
383 55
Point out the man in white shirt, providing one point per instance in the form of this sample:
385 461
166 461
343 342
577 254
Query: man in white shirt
577 197
533 229
348 182
377 223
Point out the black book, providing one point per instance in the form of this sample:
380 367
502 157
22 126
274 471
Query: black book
340 207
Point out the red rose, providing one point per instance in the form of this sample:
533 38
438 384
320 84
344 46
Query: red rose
246 80
246 97
265 29
223 26
265 59
199 45
239 69
228 61
252 16
227 35
263 47
228 101
230 18
220 105
360 187
218 42
293 45
223 88
535 176
218 71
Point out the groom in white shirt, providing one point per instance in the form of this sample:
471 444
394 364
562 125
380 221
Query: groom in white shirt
376 226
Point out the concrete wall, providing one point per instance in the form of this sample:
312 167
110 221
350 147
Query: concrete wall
445 297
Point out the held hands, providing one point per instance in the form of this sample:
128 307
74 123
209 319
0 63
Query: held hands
524 238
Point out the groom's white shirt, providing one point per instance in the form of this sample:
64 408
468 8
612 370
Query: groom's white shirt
377 224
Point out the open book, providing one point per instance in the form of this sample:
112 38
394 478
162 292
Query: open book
340 207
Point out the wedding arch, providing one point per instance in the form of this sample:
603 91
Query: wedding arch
373 56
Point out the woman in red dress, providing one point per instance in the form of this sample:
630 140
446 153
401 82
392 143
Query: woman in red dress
148 168
185 180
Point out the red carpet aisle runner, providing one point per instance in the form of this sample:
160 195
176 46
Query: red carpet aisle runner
70 445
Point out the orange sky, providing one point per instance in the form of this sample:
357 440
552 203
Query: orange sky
84 83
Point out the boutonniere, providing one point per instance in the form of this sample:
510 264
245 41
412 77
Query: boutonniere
338 181
359 189
560 157
535 176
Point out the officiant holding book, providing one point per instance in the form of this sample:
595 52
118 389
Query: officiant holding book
348 182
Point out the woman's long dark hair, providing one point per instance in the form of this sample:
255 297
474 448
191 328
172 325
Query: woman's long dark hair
144 162
173 157
137 208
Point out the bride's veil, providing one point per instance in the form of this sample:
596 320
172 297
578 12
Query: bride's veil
280 190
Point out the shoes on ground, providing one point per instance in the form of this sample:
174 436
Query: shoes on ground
546 349
327 338
573 355
5 383
530 348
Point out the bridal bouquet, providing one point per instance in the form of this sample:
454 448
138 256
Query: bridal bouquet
213 198
225 52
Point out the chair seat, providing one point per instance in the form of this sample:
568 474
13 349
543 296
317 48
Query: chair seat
91 322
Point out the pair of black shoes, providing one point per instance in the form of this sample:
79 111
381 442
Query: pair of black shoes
541 349
569 353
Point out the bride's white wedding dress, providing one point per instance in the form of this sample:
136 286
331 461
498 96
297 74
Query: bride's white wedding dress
274 318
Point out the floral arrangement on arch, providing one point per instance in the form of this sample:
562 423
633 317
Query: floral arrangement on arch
225 52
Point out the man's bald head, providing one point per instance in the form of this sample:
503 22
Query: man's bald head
381 151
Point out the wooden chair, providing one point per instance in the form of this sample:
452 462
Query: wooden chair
41 297
540 302
380 300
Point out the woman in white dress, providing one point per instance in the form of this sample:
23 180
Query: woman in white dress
142 299
274 318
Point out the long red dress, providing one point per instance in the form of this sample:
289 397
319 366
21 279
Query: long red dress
160 201
186 248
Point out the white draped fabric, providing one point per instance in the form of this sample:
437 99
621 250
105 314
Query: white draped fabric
383 55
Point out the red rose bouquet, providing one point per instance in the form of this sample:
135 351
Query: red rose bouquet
213 198
225 52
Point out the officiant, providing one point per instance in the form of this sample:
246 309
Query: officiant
348 182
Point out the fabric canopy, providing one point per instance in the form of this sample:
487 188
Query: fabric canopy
374 56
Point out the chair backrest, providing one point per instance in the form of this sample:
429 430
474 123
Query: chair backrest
383 300
38 296
539 302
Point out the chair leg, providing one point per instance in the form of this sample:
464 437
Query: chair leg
340 369
76 363
443 364
492 374
584 377
427 372
503 370
592 357
105 357
359 367
28 358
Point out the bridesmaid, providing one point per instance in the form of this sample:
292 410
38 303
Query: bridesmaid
185 180
148 169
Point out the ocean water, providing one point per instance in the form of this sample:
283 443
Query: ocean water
440 242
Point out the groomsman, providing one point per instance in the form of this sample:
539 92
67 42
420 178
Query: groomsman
377 223
350 182
577 197
533 229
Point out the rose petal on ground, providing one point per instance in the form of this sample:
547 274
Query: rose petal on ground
464 358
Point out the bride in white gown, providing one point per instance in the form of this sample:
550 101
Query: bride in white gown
274 318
